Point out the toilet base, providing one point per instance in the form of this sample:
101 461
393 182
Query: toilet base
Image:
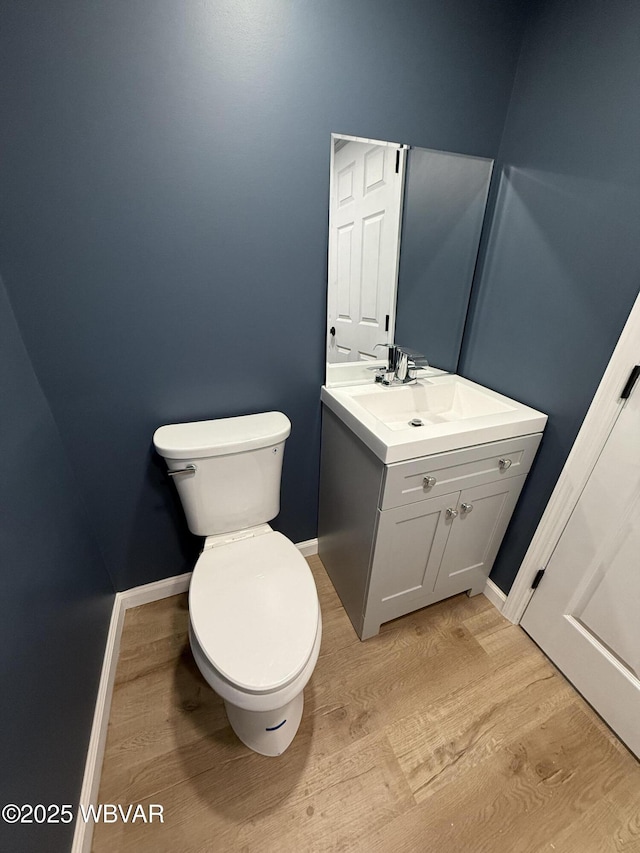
267 732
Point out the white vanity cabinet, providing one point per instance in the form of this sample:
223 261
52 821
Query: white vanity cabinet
395 538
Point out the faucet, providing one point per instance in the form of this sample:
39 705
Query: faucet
402 365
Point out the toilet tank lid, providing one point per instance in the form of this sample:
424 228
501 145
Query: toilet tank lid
221 436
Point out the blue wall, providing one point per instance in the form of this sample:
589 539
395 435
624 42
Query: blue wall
562 265
164 214
163 224
442 216
56 605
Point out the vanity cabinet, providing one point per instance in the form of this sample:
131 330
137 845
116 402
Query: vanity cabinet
395 538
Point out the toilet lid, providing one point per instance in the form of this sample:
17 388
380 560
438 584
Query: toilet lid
253 607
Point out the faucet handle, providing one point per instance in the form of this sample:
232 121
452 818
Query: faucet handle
416 360
410 353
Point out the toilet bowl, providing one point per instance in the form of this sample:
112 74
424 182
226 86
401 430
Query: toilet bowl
255 625
255 631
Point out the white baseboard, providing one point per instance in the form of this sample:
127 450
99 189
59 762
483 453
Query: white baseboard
308 548
149 592
134 597
83 832
495 595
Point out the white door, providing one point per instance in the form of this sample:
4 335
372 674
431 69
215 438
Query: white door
586 612
364 244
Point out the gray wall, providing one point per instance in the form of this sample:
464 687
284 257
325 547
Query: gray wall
164 214
56 605
562 266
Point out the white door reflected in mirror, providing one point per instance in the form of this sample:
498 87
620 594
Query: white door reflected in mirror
367 180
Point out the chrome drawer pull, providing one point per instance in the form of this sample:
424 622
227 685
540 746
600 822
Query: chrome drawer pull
428 482
189 469
466 507
504 464
451 513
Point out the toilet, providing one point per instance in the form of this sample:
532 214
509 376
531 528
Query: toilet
254 617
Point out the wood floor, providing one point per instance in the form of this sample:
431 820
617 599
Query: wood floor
449 732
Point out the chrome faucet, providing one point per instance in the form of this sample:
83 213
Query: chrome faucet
402 365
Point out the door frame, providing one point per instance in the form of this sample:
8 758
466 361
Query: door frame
592 437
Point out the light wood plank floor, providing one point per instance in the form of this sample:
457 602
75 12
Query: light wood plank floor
449 732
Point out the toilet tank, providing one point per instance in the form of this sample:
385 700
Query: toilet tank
237 464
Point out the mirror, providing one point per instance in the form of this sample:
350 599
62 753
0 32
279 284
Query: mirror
404 231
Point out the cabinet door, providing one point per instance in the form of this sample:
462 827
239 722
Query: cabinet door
410 541
476 533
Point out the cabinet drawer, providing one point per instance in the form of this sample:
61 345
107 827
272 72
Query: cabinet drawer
418 479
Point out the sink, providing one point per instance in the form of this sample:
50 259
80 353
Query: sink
448 402
434 415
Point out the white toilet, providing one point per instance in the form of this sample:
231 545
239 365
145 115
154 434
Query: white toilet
254 617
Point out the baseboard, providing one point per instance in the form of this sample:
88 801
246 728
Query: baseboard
83 832
149 592
308 548
134 597
495 595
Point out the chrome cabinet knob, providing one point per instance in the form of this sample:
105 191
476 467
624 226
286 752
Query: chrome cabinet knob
504 464
466 507
451 513
428 482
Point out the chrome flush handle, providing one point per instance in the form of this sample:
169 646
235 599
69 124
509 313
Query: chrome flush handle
188 469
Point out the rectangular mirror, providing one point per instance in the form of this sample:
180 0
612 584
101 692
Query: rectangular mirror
404 230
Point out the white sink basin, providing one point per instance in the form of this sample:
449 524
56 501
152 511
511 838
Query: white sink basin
431 416
432 404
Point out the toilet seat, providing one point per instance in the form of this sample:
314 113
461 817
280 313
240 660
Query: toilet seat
254 611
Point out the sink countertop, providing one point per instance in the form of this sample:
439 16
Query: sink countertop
380 416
